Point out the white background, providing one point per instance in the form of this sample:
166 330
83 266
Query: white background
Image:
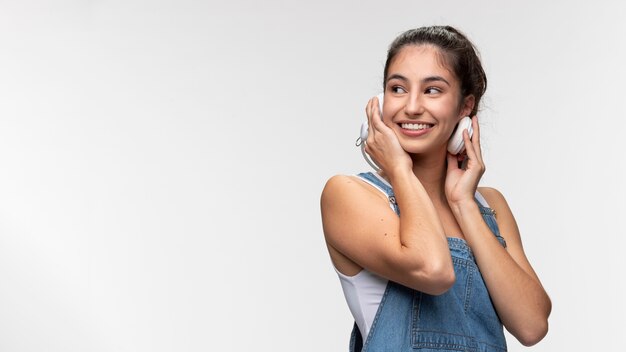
161 164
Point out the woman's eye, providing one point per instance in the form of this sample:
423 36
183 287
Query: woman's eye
397 89
432 90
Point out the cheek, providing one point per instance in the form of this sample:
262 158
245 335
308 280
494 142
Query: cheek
449 115
453 109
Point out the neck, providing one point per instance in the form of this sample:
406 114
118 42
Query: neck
430 170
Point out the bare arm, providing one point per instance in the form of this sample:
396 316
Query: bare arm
411 249
517 294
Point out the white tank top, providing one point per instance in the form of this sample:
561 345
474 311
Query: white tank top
364 291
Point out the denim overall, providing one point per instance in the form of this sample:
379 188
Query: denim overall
461 319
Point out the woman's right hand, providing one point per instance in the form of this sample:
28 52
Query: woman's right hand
382 143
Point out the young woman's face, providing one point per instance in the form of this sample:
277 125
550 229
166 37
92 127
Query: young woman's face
423 100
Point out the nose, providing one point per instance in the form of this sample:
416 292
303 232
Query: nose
414 105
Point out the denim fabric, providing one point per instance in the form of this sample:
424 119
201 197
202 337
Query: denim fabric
461 319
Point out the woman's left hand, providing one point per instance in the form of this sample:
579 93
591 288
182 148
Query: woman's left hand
461 183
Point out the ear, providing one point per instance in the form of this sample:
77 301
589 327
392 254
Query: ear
467 106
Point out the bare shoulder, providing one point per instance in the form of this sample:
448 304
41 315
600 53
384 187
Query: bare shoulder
340 187
344 196
497 202
354 215
508 227
337 184
504 217
494 198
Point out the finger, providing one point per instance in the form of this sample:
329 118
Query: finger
377 104
376 114
453 162
370 128
379 124
469 147
476 138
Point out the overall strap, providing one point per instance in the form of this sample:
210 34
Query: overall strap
380 183
489 215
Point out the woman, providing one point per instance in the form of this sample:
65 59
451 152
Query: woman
423 259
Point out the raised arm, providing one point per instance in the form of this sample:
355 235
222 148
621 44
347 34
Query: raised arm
517 294
359 224
411 249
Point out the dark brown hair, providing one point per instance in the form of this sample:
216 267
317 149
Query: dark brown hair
458 53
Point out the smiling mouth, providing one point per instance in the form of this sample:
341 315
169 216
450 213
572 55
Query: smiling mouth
415 126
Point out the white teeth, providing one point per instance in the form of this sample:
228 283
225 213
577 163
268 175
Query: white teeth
415 126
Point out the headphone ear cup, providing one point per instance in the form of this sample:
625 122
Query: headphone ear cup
364 131
456 144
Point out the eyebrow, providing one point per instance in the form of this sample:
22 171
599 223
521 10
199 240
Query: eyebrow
424 80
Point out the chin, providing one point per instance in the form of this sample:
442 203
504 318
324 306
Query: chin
419 150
